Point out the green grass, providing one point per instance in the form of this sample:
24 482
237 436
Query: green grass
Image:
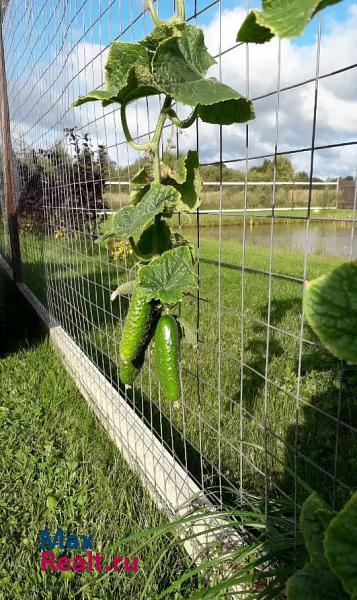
59 470
244 426
234 197
264 217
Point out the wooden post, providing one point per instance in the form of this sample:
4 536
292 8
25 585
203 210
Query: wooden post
8 165
338 193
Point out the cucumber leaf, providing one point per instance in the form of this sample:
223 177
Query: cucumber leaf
179 68
187 180
132 220
123 56
330 305
106 97
161 33
316 579
284 18
169 276
251 31
312 584
140 184
146 243
341 546
128 76
314 519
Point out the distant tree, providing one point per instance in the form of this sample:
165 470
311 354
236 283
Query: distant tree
63 186
265 172
302 176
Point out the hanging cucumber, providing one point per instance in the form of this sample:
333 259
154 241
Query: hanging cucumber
128 372
137 326
167 344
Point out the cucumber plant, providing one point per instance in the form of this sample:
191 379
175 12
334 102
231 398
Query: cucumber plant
330 302
331 541
284 18
171 62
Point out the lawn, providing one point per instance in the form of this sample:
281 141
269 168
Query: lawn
269 411
59 470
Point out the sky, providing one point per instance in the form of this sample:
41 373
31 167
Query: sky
57 51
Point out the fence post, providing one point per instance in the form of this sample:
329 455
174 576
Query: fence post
338 193
8 165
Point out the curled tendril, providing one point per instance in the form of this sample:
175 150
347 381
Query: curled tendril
180 13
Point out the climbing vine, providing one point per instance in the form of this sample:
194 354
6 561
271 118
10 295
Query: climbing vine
172 62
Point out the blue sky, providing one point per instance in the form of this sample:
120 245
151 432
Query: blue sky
336 12
59 52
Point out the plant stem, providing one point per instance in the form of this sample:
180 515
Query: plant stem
181 13
157 138
153 13
182 124
179 18
156 161
143 257
140 147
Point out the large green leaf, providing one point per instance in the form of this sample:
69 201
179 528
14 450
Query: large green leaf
234 109
284 18
179 68
140 183
251 31
316 579
167 278
314 519
122 57
128 76
161 33
182 58
187 180
132 220
312 584
147 241
105 97
330 305
341 546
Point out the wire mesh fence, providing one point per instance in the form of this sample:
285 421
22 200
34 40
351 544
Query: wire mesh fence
265 410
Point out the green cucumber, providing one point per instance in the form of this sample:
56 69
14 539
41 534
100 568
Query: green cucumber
128 373
137 326
167 345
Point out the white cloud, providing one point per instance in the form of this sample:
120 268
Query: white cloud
337 99
82 70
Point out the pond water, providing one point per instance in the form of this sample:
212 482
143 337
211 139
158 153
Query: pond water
332 239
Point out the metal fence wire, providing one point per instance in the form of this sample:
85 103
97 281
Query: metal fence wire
266 411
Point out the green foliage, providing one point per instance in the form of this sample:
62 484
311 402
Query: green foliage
131 220
156 238
331 310
80 481
332 545
180 66
284 18
42 174
172 60
185 177
282 168
341 546
315 517
167 277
